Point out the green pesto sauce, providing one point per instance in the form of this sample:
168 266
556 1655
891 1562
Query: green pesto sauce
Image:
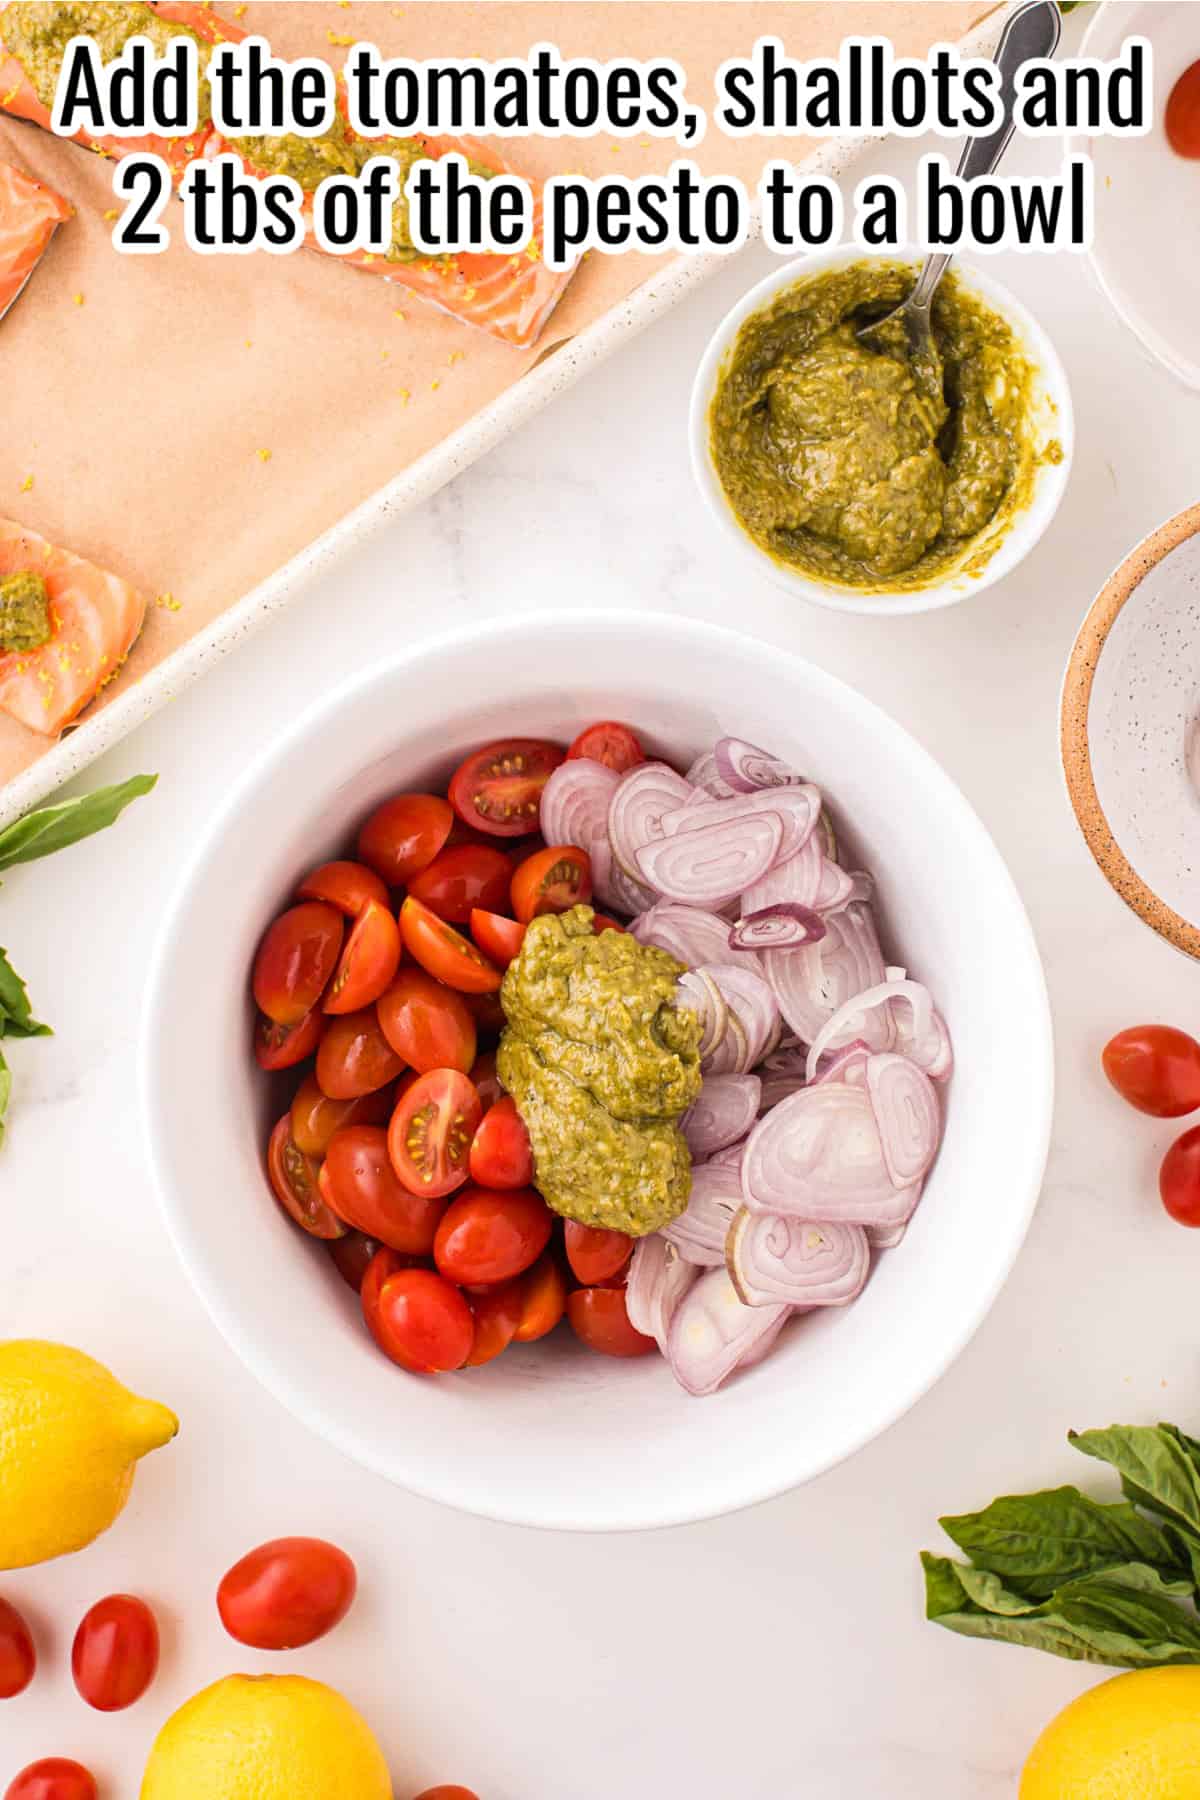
851 463
24 613
339 152
601 1063
37 33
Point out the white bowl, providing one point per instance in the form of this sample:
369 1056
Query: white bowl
1051 414
551 1434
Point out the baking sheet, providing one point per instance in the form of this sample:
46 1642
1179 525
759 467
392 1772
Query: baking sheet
219 429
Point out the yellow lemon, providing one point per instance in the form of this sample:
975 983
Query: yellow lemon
266 1737
70 1439
1136 1737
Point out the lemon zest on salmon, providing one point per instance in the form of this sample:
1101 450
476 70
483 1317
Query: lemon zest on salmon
114 212
168 602
405 396
339 37
27 484
263 455
78 299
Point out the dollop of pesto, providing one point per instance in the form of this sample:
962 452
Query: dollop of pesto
24 613
849 461
338 152
601 1063
37 33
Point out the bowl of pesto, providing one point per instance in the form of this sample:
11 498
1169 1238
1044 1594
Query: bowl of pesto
859 479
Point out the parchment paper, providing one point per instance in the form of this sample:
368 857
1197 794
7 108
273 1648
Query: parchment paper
192 422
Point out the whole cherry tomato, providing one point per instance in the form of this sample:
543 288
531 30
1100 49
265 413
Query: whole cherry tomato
359 1184
346 885
287 1593
315 1117
485 1080
1179 1178
352 1256
53 1778
498 789
461 877
295 1179
420 1320
369 960
551 881
354 1057
497 1315
1181 120
444 952
595 1255
499 938
428 1025
115 1654
609 743
543 1299
598 1316
297 956
501 1156
18 1658
1155 1068
429 1138
403 836
385 1262
283 1046
489 1236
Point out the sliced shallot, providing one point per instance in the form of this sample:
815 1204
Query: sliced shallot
711 864
574 804
657 1281
781 927
754 1016
772 1258
687 932
639 800
818 1155
928 1042
703 774
724 1112
797 809
906 1112
815 982
713 1333
795 881
699 993
745 767
700 1231
884 1237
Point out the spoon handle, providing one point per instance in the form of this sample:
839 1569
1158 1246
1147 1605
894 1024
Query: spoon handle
1033 30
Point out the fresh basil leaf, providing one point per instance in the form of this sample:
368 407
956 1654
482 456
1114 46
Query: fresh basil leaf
1155 1469
1036 1542
16 1020
5 1092
56 827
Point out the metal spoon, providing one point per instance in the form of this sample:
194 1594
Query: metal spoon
1033 30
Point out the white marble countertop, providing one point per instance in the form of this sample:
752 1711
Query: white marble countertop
780 1651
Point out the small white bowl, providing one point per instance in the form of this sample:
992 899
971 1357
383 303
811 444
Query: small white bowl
1052 418
551 1434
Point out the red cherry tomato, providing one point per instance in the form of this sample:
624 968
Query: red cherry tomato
488 1236
501 1156
1155 1068
551 881
1182 119
421 1321
498 789
359 1184
602 922
403 836
598 1316
18 1658
497 1315
429 1138
385 1262
354 1057
346 885
352 1256
1179 1178
485 1080
315 1117
287 1593
543 1299
499 938
463 876
595 1256
53 1778
297 956
448 1793
295 1179
368 962
115 1654
283 1046
444 952
427 1024
609 743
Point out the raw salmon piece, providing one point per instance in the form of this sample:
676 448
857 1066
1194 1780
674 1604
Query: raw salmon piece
29 213
95 618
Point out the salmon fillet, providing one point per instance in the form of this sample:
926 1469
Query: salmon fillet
29 213
95 618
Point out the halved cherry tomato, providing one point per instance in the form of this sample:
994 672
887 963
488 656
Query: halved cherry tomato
421 1321
595 1256
295 959
609 743
1155 1068
18 1658
403 836
551 881
385 1262
1179 1178
354 1057
488 1014
315 1117
498 789
1181 120
368 962
295 1180
429 1138
498 937
543 1299
426 1023
485 1080
501 1156
283 1046
359 1184
445 952
461 877
115 1654
352 1256
346 885
287 1593
497 1315
598 1316
602 922
53 1778
490 1236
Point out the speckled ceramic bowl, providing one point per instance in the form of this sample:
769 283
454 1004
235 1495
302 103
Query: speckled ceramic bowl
1130 729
